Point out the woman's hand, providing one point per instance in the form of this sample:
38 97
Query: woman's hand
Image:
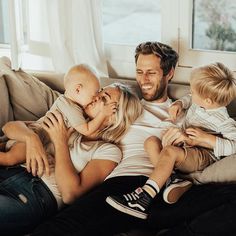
36 158
56 128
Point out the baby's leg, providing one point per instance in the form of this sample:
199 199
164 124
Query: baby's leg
153 146
14 156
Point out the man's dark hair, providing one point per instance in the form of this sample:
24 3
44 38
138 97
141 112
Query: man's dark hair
168 56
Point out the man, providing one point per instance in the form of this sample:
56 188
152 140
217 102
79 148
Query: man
91 215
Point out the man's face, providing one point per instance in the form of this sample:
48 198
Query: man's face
149 76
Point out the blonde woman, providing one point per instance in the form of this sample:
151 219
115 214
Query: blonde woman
26 200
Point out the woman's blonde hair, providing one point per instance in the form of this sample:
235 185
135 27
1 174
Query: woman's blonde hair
214 81
128 110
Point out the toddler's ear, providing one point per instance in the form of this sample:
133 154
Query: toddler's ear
209 101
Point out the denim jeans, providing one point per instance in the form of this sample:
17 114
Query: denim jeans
25 201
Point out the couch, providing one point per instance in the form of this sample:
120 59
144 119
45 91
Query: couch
27 96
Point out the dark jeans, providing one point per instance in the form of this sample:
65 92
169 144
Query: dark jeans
196 213
25 201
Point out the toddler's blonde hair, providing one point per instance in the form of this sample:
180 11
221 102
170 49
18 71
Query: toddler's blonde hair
214 81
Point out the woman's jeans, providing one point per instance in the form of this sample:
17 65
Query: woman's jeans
25 201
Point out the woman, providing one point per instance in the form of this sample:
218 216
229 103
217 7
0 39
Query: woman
26 200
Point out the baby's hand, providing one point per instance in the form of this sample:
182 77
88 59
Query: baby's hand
175 110
109 109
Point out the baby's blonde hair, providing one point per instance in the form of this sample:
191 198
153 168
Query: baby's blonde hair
214 81
128 110
77 70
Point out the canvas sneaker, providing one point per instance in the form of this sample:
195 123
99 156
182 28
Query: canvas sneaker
175 188
135 203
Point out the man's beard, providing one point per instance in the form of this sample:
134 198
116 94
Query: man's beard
157 94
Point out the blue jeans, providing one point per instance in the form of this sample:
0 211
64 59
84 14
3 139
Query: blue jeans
25 201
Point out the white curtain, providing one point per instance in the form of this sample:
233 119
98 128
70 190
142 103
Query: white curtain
75 34
16 32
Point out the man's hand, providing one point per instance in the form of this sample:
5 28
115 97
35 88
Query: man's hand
175 111
173 136
36 158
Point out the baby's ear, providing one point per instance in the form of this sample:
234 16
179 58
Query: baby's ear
78 87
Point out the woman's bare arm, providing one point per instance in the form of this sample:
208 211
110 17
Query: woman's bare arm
70 183
36 159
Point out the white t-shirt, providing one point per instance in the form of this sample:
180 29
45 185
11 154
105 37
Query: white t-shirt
81 153
135 160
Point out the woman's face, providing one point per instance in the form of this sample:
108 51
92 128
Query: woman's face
107 95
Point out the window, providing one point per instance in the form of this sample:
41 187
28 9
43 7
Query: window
207 32
24 24
202 31
214 25
125 24
142 21
4 22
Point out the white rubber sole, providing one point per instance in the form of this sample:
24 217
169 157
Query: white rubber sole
174 192
125 209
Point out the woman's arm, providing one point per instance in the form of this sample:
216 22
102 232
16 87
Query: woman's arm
36 159
70 183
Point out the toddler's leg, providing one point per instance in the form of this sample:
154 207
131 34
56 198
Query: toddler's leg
15 155
169 157
137 203
153 146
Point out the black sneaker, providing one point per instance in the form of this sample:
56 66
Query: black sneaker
135 203
175 188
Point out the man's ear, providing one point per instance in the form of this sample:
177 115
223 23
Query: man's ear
170 75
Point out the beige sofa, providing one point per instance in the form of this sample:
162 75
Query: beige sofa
27 96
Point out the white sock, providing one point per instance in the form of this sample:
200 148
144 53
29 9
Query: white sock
151 188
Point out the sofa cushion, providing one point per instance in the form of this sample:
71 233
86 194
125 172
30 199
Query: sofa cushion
220 171
29 98
6 113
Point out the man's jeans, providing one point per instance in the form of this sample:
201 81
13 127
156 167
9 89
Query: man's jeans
24 201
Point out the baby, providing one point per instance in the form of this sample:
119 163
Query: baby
81 86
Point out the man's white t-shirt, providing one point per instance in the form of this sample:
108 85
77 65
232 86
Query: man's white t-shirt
135 160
